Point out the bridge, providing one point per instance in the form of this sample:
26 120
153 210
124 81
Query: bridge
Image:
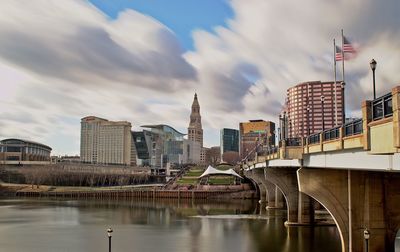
352 170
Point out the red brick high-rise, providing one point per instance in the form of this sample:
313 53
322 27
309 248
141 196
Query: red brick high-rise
307 112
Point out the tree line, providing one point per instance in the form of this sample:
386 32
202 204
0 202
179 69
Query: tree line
58 176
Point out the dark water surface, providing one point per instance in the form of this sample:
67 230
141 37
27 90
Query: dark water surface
62 225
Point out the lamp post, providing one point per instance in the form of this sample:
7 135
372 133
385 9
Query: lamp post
366 238
373 67
279 128
308 120
283 126
109 231
323 112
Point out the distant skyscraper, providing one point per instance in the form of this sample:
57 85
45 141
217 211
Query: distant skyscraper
253 132
229 140
195 130
306 109
106 142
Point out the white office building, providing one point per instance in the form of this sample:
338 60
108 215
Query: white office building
106 142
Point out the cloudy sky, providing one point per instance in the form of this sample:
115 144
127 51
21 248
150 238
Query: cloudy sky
143 60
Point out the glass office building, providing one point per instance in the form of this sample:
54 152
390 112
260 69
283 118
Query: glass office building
162 144
229 140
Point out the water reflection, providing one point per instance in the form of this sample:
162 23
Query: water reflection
62 225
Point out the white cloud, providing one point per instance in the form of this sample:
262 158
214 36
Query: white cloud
63 60
287 43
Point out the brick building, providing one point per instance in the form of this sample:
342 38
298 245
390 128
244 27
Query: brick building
253 132
310 106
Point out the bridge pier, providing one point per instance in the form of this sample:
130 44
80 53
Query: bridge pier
299 207
357 200
263 192
275 196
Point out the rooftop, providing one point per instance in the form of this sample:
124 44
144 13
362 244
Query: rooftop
4 141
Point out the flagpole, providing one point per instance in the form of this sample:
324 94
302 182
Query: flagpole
343 83
334 85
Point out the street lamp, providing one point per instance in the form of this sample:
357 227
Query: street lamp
323 116
366 238
308 120
285 126
280 128
109 231
373 67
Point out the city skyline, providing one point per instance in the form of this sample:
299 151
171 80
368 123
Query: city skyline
57 67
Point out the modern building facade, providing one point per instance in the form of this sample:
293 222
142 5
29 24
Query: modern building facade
162 145
141 141
18 151
191 152
310 107
106 142
195 130
229 140
255 132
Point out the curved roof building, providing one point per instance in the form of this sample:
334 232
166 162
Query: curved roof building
17 150
169 132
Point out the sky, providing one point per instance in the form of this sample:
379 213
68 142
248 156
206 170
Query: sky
142 61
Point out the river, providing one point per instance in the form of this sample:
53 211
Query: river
73 225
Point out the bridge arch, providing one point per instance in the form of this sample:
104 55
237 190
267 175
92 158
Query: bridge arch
260 186
255 185
357 200
274 196
321 191
285 179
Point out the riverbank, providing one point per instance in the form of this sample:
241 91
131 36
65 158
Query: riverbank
134 191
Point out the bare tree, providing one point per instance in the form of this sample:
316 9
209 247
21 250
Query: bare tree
213 156
231 157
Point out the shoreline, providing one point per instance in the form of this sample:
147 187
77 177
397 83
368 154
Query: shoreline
148 191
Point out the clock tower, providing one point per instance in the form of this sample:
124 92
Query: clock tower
195 130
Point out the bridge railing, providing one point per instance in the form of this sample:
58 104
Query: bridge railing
296 141
273 150
314 138
382 107
331 134
267 150
353 128
368 133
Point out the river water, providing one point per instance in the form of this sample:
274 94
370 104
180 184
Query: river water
72 225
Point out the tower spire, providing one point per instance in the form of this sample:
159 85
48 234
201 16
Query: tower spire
195 129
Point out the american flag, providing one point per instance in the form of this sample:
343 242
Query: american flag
338 54
349 51
347 46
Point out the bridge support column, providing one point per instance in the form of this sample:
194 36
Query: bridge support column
357 200
263 193
263 190
276 196
298 204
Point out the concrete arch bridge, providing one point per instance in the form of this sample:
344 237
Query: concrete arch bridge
352 170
